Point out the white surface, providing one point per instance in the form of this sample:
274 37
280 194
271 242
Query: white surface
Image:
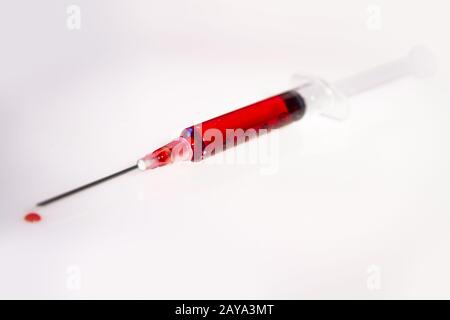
349 203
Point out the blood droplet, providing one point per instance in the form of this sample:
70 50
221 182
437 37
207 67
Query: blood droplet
32 217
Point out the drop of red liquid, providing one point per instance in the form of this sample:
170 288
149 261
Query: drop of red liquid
32 217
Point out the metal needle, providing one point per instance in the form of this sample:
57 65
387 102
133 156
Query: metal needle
71 192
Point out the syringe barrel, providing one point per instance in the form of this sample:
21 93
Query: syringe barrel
239 125
211 136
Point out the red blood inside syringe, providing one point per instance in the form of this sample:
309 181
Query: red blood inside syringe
270 113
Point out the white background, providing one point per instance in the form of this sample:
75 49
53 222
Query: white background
355 209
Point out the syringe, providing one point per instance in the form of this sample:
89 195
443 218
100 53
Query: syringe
310 95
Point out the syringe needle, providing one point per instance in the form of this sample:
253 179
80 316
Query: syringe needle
71 192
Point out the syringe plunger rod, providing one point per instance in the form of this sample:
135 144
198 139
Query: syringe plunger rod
419 62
